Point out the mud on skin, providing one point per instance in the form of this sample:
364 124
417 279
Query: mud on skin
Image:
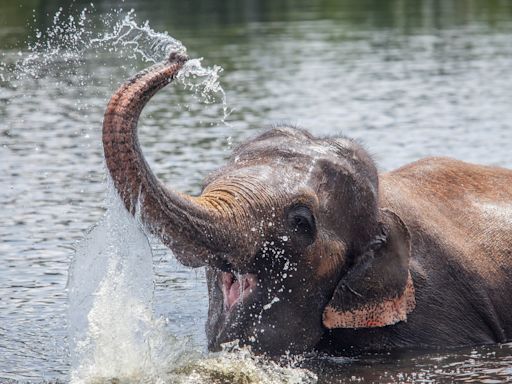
308 247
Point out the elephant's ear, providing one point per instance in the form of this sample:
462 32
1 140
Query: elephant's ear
378 290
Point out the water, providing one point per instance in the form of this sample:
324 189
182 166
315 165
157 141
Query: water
110 300
410 79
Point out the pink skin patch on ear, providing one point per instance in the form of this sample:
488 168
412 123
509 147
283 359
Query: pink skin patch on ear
386 312
236 288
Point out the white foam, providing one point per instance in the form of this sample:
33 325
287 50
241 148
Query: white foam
113 330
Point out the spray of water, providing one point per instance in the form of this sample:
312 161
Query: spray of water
70 40
115 335
113 330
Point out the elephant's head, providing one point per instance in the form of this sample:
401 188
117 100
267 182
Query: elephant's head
290 230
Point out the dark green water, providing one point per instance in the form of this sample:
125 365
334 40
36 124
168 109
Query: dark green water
409 78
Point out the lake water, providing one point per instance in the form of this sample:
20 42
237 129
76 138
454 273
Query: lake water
408 78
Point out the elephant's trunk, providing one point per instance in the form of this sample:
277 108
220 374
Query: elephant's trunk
185 224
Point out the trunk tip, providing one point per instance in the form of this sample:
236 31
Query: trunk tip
178 57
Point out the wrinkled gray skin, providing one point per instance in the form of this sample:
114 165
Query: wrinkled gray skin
305 223
295 175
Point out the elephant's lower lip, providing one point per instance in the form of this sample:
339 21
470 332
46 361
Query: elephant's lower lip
236 288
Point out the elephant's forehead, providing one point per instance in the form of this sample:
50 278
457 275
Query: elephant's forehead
288 157
277 176
268 176
284 152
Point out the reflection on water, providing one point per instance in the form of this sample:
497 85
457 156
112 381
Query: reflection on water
411 79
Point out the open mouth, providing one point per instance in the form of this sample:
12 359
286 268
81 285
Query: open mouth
236 287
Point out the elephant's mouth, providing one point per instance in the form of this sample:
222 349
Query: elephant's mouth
236 288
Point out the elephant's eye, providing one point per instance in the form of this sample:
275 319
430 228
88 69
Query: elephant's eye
302 222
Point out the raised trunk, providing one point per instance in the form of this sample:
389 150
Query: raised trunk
183 223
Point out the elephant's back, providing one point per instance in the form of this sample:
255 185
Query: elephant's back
460 219
467 207
447 180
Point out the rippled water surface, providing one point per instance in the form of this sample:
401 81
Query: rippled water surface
410 79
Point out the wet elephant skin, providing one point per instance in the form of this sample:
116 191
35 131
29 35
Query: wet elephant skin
308 247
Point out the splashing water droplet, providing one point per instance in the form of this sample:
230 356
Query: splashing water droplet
64 46
113 331
204 82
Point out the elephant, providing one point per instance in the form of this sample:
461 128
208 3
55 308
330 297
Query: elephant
307 247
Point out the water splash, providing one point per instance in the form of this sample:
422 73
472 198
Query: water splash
113 330
65 45
237 365
204 82
139 41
